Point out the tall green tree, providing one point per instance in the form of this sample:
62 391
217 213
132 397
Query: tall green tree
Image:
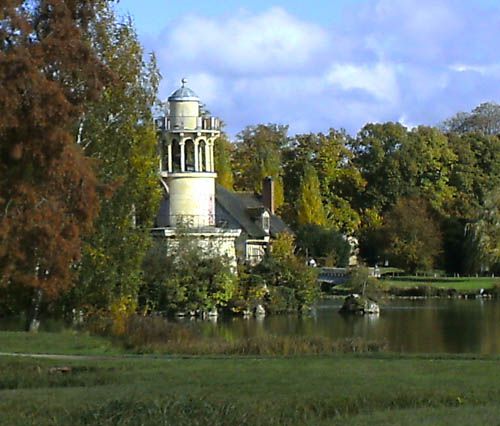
376 155
118 133
48 200
223 151
258 154
339 179
486 232
426 161
412 235
309 204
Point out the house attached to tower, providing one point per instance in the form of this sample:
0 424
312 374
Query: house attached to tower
236 224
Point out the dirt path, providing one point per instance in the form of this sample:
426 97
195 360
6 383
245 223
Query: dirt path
69 357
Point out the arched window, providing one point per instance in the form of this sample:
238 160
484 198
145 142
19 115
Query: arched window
202 160
189 152
176 156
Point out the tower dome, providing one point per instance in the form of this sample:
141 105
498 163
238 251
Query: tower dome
183 93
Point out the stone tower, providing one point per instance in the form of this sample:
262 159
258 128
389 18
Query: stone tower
187 160
188 175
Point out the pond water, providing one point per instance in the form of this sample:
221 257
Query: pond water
424 325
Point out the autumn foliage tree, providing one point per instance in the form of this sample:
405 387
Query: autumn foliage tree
48 193
412 235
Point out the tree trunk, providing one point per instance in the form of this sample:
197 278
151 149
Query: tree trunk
32 320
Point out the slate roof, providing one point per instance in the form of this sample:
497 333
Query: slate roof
239 205
235 209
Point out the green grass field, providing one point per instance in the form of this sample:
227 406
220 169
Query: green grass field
467 284
67 342
339 389
431 286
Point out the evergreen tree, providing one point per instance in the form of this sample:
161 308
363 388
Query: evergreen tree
223 150
309 205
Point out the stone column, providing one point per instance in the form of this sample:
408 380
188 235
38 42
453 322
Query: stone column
207 157
196 157
183 154
211 155
169 156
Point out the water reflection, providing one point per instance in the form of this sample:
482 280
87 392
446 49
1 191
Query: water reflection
431 326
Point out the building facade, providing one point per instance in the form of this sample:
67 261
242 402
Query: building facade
239 225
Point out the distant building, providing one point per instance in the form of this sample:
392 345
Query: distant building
239 225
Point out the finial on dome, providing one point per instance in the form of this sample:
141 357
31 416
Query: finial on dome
184 81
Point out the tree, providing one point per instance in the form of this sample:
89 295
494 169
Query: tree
223 151
473 175
339 180
320 242
292 285
258 155
309 204
118 132
376 155
412 235
486 232
484 119
183 276
426 161
48 199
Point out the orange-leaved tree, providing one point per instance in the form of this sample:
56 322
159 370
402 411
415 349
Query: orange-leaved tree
48 195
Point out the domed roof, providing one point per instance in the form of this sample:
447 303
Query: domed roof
183 93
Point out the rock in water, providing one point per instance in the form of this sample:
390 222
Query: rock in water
356 304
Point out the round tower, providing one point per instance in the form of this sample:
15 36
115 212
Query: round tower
187 160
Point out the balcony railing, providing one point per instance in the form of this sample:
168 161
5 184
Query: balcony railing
188 122
192 221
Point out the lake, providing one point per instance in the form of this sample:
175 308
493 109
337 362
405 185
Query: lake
423 325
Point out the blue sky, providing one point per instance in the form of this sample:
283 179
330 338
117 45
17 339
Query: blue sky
321 64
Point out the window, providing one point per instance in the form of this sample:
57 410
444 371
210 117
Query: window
266 221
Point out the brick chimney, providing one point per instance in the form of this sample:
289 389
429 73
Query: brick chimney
268 193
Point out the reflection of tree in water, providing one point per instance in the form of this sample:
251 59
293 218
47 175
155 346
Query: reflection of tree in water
429 325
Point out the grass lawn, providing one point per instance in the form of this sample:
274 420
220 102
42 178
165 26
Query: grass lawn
66 342
462 285
314 390
430 286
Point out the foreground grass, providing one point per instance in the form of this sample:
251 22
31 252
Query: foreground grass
68 342
339 389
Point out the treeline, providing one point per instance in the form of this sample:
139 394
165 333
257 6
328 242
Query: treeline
78 177
418 199
79 188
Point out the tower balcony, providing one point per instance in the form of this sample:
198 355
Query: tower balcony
190 123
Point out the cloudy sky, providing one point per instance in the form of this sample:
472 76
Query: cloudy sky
319 64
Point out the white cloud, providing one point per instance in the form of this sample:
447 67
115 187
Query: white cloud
273 41
379 80
413 61
485 69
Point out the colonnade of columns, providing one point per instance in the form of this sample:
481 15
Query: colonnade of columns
178 152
